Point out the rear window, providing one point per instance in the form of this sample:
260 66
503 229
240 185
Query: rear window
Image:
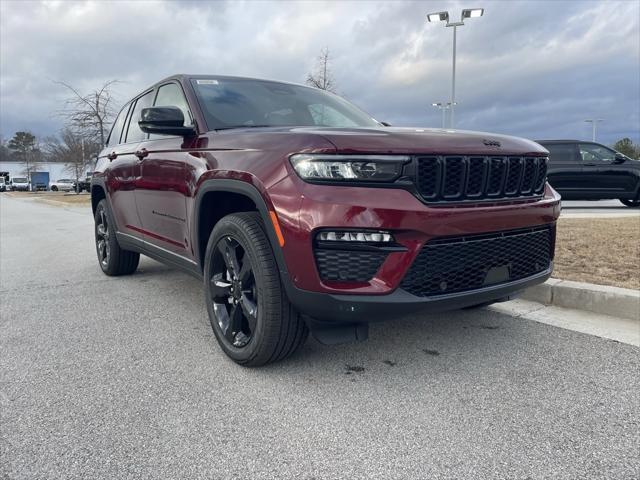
561 152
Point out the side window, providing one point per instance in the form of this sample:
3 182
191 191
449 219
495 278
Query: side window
596 153
134 134
170 95
325 115
561 153
116 130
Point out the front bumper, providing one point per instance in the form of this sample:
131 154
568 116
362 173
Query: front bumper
412 223
331 309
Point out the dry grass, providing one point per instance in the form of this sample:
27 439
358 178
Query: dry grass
605 251
59 197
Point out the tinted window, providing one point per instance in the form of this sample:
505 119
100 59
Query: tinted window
171 95
596 153
134 134
232 103
114 136
561 152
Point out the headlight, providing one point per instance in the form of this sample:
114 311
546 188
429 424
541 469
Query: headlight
348 168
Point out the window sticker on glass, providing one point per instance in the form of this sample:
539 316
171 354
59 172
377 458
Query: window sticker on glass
207 82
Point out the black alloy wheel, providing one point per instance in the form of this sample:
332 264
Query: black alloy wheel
631 203
250 314
102 238
113 260
233 292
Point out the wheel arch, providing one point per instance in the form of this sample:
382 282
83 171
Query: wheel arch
98 192
237 196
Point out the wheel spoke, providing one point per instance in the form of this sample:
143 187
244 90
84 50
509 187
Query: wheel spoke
250 311
101 248
219 287
245 271
228 250
235 323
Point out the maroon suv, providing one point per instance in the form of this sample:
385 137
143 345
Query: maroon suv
301 212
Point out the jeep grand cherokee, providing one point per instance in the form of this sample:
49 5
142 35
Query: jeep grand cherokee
301 212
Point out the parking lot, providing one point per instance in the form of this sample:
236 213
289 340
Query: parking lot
122 378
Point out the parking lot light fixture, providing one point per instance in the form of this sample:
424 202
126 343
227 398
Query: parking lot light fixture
444 17
472 13
443 108
438 17
594 123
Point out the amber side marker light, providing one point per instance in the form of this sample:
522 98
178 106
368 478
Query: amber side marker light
276 226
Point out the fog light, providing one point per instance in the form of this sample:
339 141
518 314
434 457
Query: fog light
342 236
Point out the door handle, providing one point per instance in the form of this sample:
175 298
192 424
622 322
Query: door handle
143 152
589 164
112 156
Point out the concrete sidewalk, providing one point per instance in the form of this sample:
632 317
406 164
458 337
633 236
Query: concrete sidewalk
602 299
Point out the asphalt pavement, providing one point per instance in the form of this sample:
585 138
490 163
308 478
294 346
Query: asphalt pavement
122 378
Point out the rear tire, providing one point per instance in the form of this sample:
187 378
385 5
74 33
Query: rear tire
249 312
631 203
54 188
113 260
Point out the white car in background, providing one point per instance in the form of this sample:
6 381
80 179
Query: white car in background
20 184
63 185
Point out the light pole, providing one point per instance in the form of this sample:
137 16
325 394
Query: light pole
443 108
593 122
444 17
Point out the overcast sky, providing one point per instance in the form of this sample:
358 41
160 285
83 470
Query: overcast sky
535 69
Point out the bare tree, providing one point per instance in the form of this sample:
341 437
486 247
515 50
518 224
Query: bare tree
321 76
90 113
72 149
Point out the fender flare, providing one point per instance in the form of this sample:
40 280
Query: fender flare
251 191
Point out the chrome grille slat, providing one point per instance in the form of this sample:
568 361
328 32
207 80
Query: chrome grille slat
455 178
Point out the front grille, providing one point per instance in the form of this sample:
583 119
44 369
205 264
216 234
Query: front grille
347 265
458 264
468 178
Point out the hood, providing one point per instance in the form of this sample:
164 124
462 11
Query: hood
383 140
424 141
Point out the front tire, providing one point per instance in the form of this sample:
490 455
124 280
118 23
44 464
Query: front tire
113 260
249 312
54 188
631 203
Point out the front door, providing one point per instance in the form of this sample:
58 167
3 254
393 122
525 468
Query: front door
160 195
162 189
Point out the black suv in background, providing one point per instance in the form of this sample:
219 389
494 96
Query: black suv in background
591 171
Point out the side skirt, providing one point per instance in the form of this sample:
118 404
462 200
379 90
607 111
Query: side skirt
129 242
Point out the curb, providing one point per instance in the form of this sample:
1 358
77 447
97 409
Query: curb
612 301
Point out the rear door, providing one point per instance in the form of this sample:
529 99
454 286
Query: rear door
565 168
162 189
602 175
124 169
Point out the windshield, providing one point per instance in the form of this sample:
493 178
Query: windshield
20 180
237 103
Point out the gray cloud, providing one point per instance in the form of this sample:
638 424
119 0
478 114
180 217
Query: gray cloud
534 69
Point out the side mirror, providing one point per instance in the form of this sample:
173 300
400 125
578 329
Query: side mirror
619 158
165 121
385 124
